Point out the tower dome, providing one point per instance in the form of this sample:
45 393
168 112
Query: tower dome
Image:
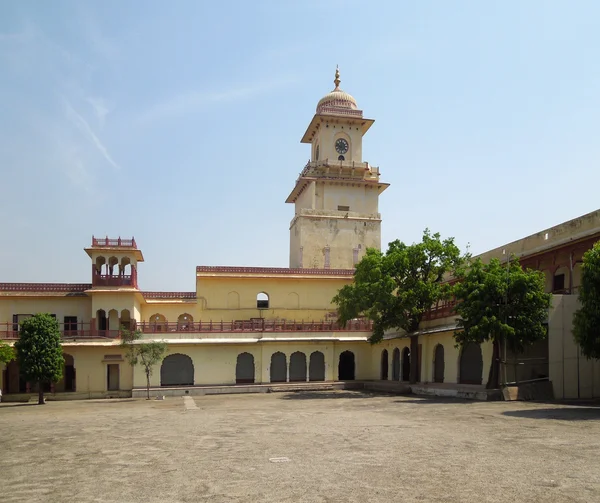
337 100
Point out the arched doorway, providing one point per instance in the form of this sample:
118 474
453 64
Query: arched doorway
101 320
244 369
316 367
384 365
13 382
471 364
177 370
298 366
69 373
438 364
396 364
278 367
406 364
346 366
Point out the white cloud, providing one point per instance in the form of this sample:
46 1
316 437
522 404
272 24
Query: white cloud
85 128
191 101
100 109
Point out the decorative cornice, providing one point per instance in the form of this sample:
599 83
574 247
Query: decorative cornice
45 287
274 270
169 295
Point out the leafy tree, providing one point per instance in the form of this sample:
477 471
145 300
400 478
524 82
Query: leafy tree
146 354
586 322
39 351
397 288
7 353
500 303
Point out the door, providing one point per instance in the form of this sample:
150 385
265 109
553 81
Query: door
112 377
438 364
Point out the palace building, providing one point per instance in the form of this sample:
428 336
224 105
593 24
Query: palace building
257 325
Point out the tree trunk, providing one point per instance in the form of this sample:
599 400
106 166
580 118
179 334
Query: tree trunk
41 393
494 375
147 386
414 359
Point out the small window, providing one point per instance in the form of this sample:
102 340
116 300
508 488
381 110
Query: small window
70 324
262 301
317 153
558 284
343 208
341 158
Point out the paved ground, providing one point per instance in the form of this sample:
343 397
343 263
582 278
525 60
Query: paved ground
336 447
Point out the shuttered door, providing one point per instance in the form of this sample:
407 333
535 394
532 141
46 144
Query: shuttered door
278 367
244 369
471 364
384 365
316 368
438 364
177 370
396 365
298 366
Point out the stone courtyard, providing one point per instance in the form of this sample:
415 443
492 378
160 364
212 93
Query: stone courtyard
338 446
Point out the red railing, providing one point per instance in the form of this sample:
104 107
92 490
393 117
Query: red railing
114 279
254 326
441 310
10 331
114 243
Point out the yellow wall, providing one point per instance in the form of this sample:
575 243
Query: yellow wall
61 306
215 364
572 374
91 371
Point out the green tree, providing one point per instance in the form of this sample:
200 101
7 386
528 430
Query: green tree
586 322
146 354
39 351
397 288
7 353
501 303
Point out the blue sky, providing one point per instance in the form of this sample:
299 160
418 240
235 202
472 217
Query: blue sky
180 123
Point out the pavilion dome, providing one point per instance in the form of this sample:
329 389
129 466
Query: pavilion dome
337 98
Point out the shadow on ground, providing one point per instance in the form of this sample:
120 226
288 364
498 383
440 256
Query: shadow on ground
321 395
17 404
426 400
560 413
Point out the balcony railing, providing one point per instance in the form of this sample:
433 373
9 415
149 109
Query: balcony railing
114 279
253 326
113 243
10 331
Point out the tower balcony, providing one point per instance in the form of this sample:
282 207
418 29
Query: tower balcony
106 242
114 280
329 168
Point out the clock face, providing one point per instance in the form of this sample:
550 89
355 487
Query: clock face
341 146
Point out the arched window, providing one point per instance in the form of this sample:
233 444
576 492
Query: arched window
262 301
185 321
158 323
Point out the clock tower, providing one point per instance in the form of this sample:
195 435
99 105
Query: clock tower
337 193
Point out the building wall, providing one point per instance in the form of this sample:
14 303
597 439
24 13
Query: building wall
548 238
330 132
91 370
361 199
216 364
61 306
342 235
234 298
571 373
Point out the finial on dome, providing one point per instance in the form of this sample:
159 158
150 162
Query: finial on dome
337 77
